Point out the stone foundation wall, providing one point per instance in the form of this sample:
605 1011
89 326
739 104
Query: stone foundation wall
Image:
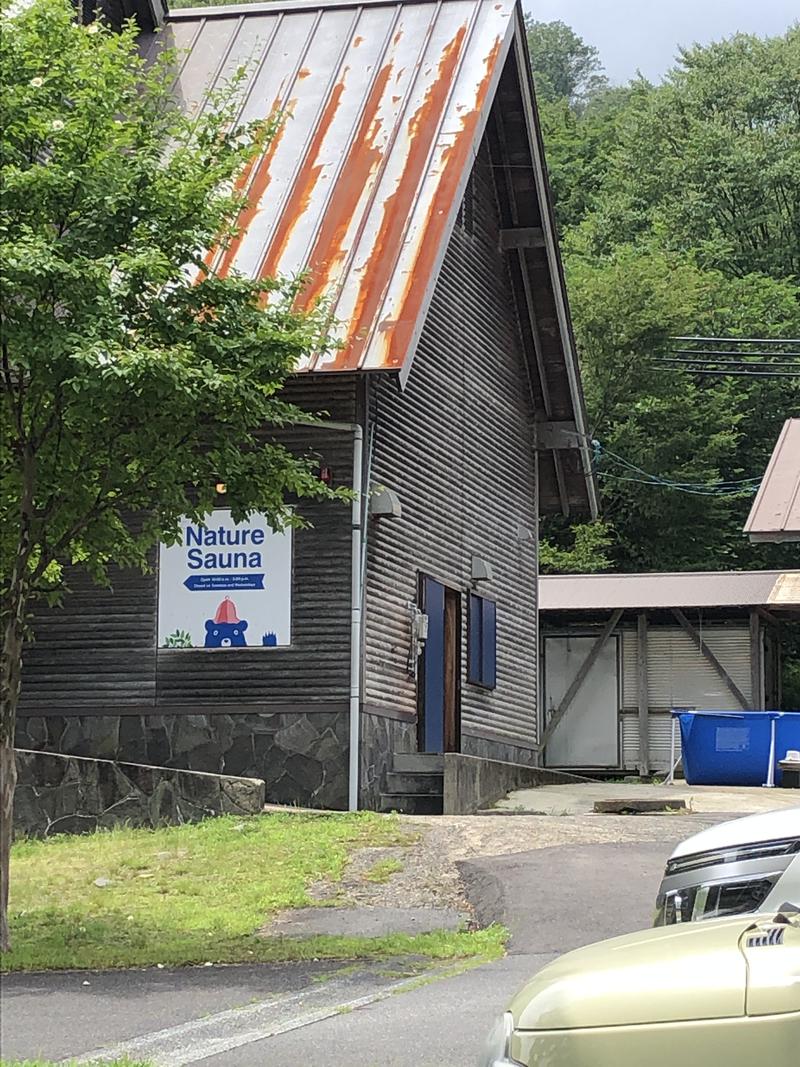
381 737
69 794
301 756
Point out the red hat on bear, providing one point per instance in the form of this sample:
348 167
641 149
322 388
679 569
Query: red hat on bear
226 612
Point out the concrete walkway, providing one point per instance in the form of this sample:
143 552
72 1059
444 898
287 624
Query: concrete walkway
701 799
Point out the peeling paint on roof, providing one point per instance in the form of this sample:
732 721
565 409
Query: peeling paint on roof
383 106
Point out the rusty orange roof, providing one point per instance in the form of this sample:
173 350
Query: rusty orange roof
384 105
775 515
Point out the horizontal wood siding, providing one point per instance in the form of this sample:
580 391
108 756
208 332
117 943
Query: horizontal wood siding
99 648
457 446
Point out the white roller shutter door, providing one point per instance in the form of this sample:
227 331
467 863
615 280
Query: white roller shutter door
679 676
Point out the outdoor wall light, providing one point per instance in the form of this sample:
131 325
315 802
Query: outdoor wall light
221 488
481 570
385 504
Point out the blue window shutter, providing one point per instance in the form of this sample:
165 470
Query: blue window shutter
474 626
489 644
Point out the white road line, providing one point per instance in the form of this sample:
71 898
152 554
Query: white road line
197 1039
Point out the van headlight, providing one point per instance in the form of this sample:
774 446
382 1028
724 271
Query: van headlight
498 1046
713 900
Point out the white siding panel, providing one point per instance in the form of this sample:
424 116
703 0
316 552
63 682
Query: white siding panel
660 731
629 728
679 676
630 661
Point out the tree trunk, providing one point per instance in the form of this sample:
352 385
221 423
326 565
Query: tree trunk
10 684
8 781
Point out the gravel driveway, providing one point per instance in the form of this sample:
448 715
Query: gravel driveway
430 876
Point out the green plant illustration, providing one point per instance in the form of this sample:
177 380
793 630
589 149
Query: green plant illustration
179 639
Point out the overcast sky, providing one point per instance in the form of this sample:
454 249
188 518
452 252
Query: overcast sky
645 34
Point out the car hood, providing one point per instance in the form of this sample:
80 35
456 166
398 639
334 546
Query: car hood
670 974
752 829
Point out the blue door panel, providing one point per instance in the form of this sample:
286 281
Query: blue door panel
433 667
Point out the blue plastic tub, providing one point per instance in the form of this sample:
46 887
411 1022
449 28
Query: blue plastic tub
787 735
733 748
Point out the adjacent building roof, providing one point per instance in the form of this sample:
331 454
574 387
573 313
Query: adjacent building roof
775 515
690 589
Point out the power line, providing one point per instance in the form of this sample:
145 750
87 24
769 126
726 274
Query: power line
743 340
601 450
665 484
720 488
714 354
684 359
725 373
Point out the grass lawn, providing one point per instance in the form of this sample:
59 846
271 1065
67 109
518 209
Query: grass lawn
198 893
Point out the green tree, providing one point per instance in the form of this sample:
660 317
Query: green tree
580 149
583 549
709 162
133 379
678 456
679 213
564 66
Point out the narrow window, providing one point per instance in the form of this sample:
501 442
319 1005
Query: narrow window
482 626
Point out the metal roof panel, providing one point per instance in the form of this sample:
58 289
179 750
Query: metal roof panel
775 515
382 110
689 589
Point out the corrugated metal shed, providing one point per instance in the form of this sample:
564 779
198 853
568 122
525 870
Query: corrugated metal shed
691 589
775 515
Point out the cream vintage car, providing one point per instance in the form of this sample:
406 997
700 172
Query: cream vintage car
722 993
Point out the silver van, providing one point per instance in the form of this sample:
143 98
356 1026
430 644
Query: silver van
739 867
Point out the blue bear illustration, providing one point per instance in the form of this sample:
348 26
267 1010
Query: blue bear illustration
225 634
269 640
226 629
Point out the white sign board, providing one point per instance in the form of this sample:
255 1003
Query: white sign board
226 585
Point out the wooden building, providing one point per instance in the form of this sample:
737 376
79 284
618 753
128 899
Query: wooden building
620 651
409 180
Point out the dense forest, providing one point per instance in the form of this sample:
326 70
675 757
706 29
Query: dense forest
678 206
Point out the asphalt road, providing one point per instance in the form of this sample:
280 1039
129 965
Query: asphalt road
323 1016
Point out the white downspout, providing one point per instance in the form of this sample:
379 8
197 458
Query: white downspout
355 602
355 621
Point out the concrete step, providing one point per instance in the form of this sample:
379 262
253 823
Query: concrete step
415 782
418 761
412 803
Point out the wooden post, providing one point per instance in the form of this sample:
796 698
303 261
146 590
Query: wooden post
756 687
580 677
644 694
703 648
